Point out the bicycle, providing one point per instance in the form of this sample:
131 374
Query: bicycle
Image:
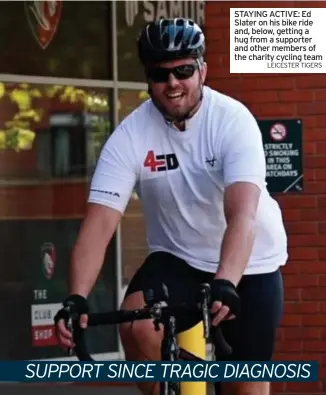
161 313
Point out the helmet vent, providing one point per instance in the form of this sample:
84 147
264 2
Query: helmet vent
178 38
196 39
165 40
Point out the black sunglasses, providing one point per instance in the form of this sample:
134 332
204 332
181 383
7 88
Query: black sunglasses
182 72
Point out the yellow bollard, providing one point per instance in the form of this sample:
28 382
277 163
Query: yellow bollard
193 341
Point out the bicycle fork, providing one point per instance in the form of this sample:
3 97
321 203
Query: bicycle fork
170 353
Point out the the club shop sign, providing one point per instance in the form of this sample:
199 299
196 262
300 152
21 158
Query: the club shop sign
153 10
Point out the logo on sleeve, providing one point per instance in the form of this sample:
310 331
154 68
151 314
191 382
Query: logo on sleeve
112 193
161 162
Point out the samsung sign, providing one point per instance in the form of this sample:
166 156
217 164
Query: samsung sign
153 10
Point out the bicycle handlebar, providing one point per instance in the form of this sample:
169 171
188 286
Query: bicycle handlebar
118 317
159 312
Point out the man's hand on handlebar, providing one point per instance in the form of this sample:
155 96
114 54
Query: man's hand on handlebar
72 306
64 334
225 302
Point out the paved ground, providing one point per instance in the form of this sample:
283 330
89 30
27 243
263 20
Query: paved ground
42 389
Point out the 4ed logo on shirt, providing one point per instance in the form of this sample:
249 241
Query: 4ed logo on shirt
161 162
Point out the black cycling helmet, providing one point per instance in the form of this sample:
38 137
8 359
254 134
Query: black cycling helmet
170 39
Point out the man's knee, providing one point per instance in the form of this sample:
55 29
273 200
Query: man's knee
139 338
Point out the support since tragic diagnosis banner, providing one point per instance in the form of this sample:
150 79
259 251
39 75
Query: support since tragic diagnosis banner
158 371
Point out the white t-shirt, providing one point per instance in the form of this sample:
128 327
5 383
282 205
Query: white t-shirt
180 178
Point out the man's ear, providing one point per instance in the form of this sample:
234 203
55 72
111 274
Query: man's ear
203 72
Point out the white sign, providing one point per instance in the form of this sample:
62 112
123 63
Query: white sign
277 40
43 314
153 10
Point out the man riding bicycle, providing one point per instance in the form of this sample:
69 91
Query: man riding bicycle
196 159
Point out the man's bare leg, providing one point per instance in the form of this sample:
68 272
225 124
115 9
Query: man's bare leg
140 340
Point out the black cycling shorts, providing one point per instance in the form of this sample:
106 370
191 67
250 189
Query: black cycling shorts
252 334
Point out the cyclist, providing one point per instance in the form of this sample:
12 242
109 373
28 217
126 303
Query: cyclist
196 159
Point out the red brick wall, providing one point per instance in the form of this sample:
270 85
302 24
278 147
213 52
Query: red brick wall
303 332
46 200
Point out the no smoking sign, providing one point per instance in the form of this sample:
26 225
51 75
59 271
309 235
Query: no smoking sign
278 132
283 151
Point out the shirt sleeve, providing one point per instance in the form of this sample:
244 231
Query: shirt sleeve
242 151
116 172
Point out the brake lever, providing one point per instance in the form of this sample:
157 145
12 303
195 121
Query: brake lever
70 325
205 297
71 329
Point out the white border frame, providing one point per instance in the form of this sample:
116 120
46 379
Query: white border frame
115 85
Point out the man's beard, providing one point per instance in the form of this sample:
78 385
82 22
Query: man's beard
178 116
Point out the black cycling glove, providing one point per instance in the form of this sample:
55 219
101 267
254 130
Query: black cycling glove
225 292
72 305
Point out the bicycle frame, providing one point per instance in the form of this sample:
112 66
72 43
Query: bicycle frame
161 314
